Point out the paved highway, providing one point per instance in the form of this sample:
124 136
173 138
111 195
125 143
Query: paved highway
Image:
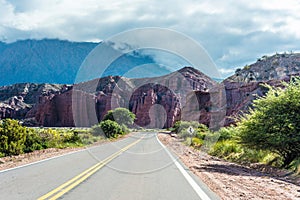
137 167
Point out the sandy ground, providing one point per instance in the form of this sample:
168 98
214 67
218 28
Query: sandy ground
233 181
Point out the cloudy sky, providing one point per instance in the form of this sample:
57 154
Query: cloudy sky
233 32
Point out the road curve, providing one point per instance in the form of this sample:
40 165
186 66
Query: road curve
137 167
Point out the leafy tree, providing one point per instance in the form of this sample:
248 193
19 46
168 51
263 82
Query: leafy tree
12 137
274 124
121 116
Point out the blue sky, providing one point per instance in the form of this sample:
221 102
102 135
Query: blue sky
233 32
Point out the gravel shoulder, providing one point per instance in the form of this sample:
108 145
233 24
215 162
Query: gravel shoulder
233 181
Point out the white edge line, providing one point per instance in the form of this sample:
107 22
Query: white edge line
190 180
46 159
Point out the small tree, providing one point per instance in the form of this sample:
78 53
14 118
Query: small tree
274 124
121 116
12 137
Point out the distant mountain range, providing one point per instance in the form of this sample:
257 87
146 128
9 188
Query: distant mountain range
57 61
41 61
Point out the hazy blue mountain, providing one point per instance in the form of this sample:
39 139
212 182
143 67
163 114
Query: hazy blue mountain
41 61
58 61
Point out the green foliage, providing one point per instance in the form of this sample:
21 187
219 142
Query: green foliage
233 151
246 67
227 133
295 166
124 129
110 128
181 128
33 142
196 142
89 138
12 137
121 116
16 139
96 130
274 123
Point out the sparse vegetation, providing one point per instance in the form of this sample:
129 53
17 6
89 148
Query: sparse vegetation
16 139
194 138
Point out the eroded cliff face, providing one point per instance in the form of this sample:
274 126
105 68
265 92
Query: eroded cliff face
157 102
247 84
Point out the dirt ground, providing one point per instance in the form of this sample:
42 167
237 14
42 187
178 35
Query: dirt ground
233 181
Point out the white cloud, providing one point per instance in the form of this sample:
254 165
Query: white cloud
233 32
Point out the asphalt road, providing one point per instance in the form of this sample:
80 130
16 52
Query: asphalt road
138 167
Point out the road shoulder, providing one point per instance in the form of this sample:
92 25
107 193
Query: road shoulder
229 180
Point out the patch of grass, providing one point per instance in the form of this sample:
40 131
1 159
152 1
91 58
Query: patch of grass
233 151
295 166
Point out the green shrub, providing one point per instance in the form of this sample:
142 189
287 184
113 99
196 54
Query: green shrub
96 130
88 138
184 125
124 129
33 142
110 128
121 116
233 151
274 123
196 142
225 149
51 138
12 137
71 137
295 166
227 133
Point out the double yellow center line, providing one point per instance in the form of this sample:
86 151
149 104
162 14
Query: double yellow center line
69 185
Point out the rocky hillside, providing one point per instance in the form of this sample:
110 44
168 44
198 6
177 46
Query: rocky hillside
17 100
186 94
91 100
276 67
247 83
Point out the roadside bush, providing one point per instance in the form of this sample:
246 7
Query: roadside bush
197 143
184 125
124 129
233 151
120 115
227 133
96 130
12 137
71 137
274 123
33 142
50 138
110 128
295 166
